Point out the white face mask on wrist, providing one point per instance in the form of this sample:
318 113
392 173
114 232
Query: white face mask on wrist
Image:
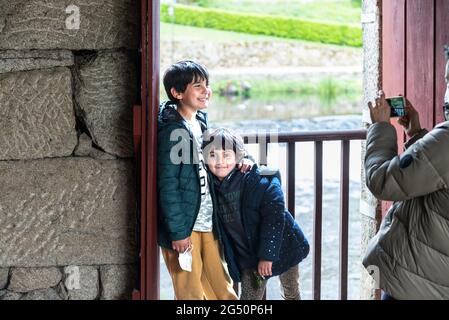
185 259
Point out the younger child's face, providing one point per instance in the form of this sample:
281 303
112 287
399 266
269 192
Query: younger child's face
221 162
196 96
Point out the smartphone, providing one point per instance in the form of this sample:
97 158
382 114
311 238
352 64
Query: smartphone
397 106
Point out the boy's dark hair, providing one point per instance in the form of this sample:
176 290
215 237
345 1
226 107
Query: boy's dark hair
180 74
223 139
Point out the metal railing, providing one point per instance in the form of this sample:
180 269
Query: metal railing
318 137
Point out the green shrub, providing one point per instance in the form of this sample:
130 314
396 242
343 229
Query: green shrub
292 28
203 3
356 3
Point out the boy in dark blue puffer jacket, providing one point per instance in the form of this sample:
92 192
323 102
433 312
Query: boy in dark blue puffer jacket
260 237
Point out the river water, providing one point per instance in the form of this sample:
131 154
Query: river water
305 199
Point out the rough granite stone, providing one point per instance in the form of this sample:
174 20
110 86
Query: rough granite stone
371 85
84 146
51 24
71 211
4 274
36 114
11 296
105 93
29 279
117 281
43 294
14 61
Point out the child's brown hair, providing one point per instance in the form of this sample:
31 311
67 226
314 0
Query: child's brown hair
223 139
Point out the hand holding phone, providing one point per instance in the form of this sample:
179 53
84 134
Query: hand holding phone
410 122
379 110
397 106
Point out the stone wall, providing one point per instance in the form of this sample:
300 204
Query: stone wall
67 189
372 82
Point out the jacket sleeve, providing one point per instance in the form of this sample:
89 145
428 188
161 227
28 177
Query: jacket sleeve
169 194
420 170
415 138
272 221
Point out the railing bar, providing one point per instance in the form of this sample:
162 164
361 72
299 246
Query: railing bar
263 152
344 220
291 174
317 221
306 136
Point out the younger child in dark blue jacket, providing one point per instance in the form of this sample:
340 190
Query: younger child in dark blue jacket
260 237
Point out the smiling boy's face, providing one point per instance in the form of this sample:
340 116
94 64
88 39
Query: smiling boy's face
196 96
221 162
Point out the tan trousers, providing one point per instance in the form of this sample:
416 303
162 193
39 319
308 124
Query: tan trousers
209 278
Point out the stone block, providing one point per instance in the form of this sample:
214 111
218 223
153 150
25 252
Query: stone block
43 294
36 114
84 146
62 291
53 24
30 279
72 211
105 93
117 281
100 155
4 273
14 61
11 296
368 286
82 283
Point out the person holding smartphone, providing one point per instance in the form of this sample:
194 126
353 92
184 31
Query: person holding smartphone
410 252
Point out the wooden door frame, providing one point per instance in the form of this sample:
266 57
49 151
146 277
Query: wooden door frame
413 62
145 146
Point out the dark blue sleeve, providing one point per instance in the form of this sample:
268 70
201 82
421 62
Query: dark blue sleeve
272 210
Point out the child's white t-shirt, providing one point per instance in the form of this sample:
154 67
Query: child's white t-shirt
203 222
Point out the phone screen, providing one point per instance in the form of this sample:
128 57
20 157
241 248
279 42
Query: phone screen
397 106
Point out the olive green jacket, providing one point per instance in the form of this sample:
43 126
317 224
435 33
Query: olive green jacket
409 256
